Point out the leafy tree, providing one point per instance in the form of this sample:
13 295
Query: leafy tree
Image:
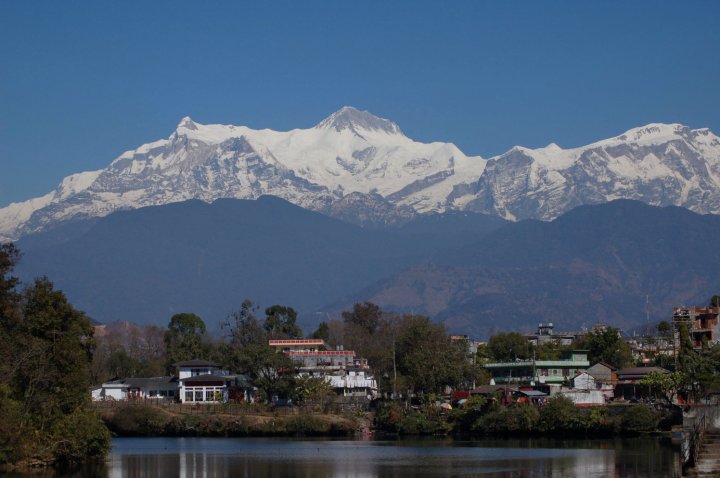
280 323
428 359
249 352
606 345
365 316
666 384
715 301
9 297
57 349
46 348
184 339
551 350
322 332
314 390
505 347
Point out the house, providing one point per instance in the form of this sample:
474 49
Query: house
204 382
587 391
347 374
137 388
532 372
603 373
628 385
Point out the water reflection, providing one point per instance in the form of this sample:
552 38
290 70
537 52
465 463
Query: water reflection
218 457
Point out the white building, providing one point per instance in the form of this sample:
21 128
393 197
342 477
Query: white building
137 388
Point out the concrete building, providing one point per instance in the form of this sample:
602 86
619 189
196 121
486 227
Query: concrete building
535 372
546 334
348 375
703 323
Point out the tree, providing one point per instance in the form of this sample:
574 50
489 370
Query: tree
428 359
322 332
280 323
249 352
715 301
243 327
184 339
666 384
57 344
505 347
365 316
46 348
313 390
606 345
9 297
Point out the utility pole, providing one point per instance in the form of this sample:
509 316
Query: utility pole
394 372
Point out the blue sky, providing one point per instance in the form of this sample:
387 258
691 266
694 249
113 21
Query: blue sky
80 82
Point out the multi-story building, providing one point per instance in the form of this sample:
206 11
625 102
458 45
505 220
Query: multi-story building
348 375
546 334
536 372
703 323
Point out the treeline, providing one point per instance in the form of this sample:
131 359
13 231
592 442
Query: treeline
603 345
558 417
407 353
46 350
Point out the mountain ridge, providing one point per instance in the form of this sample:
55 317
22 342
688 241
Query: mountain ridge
362 168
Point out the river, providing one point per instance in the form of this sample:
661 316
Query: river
321 458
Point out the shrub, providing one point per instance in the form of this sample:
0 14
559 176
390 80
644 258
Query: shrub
138 420
640 418
559 414
509 421
78 437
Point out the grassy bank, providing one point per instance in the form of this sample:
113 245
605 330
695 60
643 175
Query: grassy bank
150 420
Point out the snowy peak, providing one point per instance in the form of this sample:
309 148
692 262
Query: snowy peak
356 165
349 118
187 123
655 133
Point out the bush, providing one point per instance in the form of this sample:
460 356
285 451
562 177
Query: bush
509 421
139 420
466 416
640 418
560 415
78 437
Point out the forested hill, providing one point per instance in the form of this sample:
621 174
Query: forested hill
145 265
594 264
476 273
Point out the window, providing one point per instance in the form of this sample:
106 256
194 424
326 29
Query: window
198 396
153 393
209 396
163 393
171 393
188 396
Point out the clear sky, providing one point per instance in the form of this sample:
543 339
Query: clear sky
81 82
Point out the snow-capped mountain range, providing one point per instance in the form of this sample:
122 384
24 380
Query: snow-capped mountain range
360 167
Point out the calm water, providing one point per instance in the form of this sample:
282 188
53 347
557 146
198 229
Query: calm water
247 457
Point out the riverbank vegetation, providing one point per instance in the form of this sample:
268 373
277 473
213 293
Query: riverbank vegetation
45 353
557 417
138 419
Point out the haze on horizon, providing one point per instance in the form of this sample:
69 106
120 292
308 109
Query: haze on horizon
83 82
